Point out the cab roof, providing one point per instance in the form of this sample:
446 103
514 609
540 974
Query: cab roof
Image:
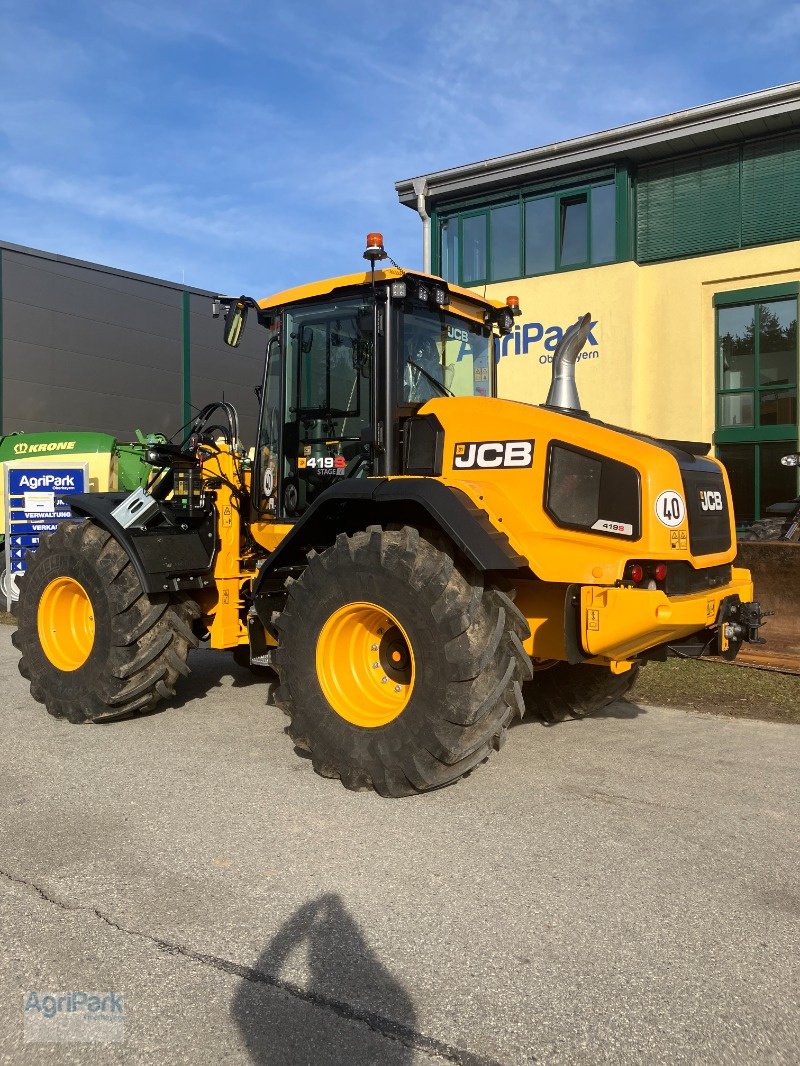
349 281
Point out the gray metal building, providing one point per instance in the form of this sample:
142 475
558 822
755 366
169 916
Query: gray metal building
89 347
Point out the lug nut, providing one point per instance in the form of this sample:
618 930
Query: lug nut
380 632
374 647
397 688
384 679
375 666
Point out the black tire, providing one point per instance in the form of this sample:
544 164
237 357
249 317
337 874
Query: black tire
565 691
141 643
466 641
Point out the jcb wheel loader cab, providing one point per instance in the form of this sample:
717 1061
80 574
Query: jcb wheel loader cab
348 362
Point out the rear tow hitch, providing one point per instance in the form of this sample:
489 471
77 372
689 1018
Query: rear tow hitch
739 623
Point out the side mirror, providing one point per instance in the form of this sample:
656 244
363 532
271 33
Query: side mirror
235 318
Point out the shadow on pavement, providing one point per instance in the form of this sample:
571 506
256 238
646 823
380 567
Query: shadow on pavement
350 1003
623 708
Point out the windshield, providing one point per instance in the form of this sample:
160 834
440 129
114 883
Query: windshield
442 354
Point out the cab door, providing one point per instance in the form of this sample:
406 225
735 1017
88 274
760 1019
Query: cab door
328 399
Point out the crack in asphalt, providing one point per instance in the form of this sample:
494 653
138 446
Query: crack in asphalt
378 1023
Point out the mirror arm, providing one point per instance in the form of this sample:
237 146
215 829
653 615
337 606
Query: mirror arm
220 304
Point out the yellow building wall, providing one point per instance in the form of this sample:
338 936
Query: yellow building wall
649 361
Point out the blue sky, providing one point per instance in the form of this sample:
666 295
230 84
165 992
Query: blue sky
250 146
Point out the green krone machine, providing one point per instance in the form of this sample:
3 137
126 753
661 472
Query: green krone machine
111 465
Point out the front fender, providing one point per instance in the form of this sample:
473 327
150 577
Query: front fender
166 557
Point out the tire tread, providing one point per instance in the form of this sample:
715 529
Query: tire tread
150 637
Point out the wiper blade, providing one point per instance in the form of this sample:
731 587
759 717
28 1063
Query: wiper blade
436 384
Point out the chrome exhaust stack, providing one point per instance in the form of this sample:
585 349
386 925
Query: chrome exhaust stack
563 392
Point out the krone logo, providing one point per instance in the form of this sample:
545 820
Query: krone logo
493 454
23 448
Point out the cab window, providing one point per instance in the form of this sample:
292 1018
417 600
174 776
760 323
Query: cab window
443 354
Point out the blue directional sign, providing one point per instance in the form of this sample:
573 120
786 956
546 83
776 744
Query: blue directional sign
36 502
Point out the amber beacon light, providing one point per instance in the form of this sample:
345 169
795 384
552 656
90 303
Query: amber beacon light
374 249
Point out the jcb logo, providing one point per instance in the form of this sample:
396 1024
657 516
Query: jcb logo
491 454
711 501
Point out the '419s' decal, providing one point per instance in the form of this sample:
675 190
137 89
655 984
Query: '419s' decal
493 454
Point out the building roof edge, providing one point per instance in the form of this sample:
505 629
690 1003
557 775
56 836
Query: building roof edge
605 144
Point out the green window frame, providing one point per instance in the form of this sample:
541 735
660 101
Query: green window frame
588 226
767 427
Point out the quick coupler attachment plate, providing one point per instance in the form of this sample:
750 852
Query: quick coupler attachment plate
135 509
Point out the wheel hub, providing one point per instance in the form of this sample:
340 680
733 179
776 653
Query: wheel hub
65 622
394 656
365 665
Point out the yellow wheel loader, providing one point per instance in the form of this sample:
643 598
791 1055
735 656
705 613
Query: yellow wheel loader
402 547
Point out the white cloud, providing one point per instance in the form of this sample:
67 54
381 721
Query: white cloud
241 141
158 208
165 21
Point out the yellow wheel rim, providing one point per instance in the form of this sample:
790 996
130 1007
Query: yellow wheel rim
365 664
66 623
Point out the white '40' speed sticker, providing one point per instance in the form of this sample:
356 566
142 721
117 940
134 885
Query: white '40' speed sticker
670 508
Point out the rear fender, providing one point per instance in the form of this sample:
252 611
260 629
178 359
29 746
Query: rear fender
353 505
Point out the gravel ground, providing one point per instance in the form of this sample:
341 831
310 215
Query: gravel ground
619 890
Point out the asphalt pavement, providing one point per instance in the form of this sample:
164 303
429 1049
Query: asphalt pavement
618 890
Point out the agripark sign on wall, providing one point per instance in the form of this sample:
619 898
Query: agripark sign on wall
36 502
607 386
539 341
